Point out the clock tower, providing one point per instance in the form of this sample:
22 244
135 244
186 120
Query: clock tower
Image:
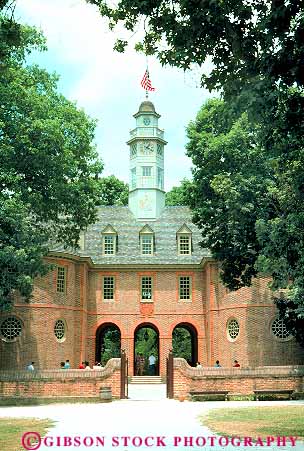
146 143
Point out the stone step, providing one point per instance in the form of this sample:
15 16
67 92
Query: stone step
146 380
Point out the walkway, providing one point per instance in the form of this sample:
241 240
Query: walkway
164 418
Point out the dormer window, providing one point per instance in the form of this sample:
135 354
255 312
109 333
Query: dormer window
109 241
184 240
146 236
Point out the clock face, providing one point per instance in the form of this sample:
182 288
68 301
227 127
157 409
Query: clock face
147 121
148 148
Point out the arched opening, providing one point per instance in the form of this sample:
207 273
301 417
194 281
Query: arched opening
146 345
184 342
108 343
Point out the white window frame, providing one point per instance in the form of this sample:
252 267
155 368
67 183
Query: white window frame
150 288
180 240
183 288
61 279
106 245
144 246
109 288
146 171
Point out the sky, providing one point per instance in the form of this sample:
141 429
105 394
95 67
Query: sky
106 84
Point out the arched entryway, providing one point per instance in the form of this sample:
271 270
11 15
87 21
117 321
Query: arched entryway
108 342
184 342
146 344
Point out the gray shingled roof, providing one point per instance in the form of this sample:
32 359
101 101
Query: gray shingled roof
128 228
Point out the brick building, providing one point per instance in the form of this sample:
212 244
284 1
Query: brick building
141 266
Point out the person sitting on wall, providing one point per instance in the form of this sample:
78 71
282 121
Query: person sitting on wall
62 365
236 364
82 366
87 366
198 365
97 366
30 367
67 365
217 364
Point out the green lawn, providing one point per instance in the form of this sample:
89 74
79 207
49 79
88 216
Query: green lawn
257 421
12 429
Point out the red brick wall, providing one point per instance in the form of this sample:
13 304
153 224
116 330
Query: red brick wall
235 380
61 383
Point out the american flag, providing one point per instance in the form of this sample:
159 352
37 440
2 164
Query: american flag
146 82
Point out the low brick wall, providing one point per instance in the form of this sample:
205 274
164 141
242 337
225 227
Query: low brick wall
237 381
60 383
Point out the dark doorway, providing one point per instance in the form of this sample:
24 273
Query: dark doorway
108 343
146 344
184 342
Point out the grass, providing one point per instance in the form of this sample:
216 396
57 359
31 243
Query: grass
12 429
257 421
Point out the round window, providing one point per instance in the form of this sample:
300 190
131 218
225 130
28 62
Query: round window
60 329
233 329
11 328
279 329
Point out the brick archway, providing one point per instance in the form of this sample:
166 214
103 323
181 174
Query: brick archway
101 332
192 360
152 344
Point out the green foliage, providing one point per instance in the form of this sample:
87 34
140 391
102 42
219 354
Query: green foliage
49 185
110 345
247 198
113 191
146 343
247 41
181 343
179 195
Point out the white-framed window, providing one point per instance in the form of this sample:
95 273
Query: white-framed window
233 329
109 241
109 244
108 288
146 289
10 328
184 244
146 171
146 242
184 240
185 288
279 330
60 330
61 279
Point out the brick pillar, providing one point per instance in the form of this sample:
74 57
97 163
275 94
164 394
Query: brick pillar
165 344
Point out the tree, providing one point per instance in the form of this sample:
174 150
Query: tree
49 169
245 40
114 191
248 202
178 195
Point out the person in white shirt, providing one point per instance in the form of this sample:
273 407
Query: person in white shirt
152 365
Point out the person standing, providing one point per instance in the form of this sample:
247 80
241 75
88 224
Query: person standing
152 365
